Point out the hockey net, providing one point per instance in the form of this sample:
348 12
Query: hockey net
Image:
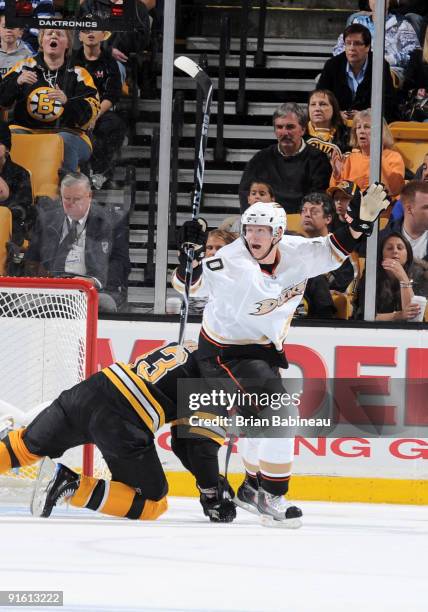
48 333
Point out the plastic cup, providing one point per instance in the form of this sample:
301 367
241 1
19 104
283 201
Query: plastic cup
422 301
173 305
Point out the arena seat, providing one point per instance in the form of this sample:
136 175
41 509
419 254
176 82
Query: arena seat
42 155
294 223
343 304
411 140
5 236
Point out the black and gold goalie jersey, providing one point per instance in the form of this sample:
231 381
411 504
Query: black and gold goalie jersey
150 387
35 111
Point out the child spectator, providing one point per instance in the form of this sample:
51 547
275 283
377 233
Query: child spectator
258 192
12 47
108 128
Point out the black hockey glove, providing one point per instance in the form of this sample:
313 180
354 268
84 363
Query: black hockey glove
193 234
217 502
365 208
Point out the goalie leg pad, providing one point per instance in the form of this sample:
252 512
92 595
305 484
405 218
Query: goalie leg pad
14 452
116 499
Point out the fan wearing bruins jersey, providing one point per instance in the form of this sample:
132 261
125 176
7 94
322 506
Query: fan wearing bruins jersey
119 410
52 94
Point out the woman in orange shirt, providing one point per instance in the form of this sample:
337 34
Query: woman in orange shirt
356 166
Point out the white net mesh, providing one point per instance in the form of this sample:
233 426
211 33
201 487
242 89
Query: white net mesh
44 350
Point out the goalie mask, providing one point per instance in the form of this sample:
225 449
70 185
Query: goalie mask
265 214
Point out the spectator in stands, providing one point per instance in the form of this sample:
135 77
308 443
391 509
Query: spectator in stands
416 78
325 129
258 192
341 194
402 7
41 8
51 93
81 239
15 190
12 47
414 224
394 290
349 75
316 214
420 175
290 166
356 166
317 217
137 41
400 38
217 238
108 128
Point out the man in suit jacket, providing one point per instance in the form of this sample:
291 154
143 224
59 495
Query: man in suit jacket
349 75
80 239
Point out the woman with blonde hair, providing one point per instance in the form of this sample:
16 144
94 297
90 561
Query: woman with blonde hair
356 166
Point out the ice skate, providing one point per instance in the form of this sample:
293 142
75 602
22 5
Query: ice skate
55 484
276 511
246 497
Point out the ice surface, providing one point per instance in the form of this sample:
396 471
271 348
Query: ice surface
346 557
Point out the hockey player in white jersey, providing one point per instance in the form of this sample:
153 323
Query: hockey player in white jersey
253 287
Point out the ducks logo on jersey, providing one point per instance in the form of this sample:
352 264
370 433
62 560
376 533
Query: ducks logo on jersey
41 108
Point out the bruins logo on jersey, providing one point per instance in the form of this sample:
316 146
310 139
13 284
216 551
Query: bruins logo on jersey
41 108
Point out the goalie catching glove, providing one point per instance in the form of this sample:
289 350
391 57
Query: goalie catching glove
365 208
193 234
217 502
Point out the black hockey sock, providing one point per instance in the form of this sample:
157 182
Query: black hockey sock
275 485
252 480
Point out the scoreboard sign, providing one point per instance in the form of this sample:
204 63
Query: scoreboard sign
111 15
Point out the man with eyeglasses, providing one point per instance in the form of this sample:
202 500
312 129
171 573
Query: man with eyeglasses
349 75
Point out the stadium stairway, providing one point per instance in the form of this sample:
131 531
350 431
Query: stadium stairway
290 69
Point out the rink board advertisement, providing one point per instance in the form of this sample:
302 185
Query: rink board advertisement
385 469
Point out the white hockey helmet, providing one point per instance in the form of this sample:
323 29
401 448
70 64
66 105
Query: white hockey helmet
265 213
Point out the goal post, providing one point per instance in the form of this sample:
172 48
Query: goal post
48 343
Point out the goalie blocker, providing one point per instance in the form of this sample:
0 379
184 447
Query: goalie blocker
119 410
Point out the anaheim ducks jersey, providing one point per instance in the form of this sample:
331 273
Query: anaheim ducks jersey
150 386
249 306
34 110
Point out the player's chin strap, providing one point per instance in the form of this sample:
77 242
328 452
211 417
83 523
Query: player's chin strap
269 251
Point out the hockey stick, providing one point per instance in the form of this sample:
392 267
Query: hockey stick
232 439
204 82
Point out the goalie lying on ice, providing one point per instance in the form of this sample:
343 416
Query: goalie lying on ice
119 410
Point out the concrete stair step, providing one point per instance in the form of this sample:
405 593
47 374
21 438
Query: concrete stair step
272 45
241 132
251 84
254 108
187 175
187 153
